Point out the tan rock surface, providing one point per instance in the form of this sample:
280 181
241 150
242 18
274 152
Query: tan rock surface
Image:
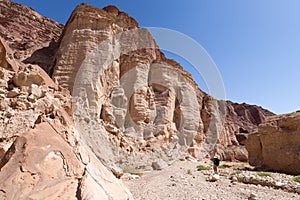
41 164
125 92
132 107
276 144
28 34
41 156
130 85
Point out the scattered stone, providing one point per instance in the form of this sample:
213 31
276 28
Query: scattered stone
31 98
234 179
117 171
159 164
279 184
214 178
27 79
253 196
36 91
13 93
129 176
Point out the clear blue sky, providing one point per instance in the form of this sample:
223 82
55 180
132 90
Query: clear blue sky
255 43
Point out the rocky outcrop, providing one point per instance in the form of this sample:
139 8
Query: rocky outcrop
241 119
85 29
40 151
131 106
118 77
30 36
41 164
276 144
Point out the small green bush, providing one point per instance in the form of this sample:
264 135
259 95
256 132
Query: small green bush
296 179
201 167
265 174
189 172
181 159
236 172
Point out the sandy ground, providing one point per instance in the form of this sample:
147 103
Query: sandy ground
182 181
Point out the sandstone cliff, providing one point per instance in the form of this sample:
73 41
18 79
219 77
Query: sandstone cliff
276 144
241 119
144 101
148 99
130 106
41 154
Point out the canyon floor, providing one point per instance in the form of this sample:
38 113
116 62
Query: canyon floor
183 181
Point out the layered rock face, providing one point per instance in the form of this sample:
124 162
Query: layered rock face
241 119
42 156
30 36
276 144
120 79
130 106
123 81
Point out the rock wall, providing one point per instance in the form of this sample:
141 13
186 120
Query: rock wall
30 36
121 76
130 106
241 119
117 71
276 144
40 151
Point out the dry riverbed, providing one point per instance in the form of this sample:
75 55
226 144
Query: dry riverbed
183 181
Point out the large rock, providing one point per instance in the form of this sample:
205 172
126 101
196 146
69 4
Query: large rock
116 71
41 164
241 119
85 29
6 60
276 144
118 76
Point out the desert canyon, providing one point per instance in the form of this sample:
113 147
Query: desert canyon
94 110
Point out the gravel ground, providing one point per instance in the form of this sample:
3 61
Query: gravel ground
182 181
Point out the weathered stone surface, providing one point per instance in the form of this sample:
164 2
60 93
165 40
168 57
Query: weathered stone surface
27 163
130 85
138 92
85 29
159 164
241 119
276 144
6 60
132 106
28 34
43 165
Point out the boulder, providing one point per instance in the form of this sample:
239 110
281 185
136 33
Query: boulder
159 164
43 165
276 144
